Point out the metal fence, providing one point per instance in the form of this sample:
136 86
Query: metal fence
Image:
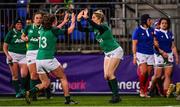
122 17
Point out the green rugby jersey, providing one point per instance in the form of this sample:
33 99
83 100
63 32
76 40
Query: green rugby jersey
14 41
33 32
48 40
103 35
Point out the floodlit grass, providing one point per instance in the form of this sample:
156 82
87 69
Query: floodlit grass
92 100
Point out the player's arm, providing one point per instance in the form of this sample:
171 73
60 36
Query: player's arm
72 26
58 31
100 27
64 21
5 45
174 50
134 45
134 48
5 49
156 46
24 37
79 25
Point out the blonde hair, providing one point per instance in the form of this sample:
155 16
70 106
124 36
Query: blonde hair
99 14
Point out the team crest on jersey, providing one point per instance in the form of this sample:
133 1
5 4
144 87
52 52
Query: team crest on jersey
14 36
142 34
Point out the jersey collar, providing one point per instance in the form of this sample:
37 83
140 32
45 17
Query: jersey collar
36 26
165 32
143 27
17 31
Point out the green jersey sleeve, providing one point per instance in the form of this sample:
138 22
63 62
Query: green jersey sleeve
58 31
8 37
26 29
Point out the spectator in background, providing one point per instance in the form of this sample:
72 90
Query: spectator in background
15 50
143 52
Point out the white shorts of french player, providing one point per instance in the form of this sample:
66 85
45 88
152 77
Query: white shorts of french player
163 62
47 65
19 58
31 56
117 53
144 58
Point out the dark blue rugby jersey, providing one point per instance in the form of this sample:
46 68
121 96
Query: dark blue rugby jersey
145 40
165 39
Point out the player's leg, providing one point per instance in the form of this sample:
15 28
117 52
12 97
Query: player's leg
34 79
155 79
142 78
43 85
149 71
150 63
59 73
24 77
15 82
112 64
167 80
31 61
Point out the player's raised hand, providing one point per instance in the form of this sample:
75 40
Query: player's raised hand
66 17
85 15
73 18
79 16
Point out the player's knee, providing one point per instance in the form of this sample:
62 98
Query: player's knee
46 84
14 76
106 77
111 77
24 74
62 77
34 76
167 75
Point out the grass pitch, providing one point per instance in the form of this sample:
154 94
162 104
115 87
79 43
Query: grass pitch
92 100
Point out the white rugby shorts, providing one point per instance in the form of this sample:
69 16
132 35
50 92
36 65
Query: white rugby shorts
47 65
117 53
144 58
19 58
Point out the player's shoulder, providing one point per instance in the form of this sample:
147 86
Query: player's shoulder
29 26
10 32
138 29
